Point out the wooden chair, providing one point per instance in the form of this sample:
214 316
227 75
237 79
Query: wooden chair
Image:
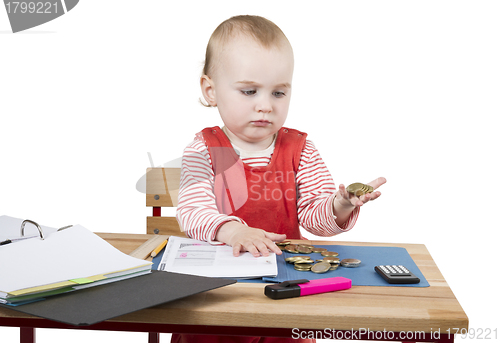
162 190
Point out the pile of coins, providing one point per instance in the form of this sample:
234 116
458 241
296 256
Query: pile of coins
359 189
329 260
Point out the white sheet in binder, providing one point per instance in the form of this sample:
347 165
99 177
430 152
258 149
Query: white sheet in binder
189 256
68 258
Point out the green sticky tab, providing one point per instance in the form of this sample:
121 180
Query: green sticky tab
82 281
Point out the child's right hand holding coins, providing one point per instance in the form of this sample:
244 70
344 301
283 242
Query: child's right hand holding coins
357 194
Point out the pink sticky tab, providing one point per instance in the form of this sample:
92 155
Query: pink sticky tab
325 285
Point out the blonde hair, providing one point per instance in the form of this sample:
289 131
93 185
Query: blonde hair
264 31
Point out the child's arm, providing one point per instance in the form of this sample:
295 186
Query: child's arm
322 210
316 196
197 212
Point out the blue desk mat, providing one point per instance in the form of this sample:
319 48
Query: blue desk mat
364 275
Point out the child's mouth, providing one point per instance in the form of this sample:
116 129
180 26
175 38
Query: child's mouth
261 123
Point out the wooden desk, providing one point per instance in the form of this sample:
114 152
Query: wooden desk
381 313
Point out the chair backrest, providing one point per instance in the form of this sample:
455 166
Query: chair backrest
162 190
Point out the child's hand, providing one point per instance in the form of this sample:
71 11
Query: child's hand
347 199
245 238
345 202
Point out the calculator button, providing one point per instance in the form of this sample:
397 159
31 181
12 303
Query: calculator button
396 274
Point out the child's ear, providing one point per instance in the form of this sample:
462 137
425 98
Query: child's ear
208 90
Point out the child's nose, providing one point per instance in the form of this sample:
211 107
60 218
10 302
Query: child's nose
264 105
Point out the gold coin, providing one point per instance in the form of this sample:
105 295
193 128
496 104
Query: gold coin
304 250
319 250
334 266
306 246
359 189
304 262
331 259
294 259
282 247
321 267
291 249
329 253
302 268
282 243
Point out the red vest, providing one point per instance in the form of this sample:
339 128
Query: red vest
264 197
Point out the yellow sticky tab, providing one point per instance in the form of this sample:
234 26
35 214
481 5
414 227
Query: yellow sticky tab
96 277
79 281
41 288
89 279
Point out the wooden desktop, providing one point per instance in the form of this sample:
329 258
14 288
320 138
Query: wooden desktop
362 312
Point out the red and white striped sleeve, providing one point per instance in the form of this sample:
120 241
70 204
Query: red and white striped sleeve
197 211
316 193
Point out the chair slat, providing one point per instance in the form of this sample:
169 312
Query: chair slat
164 226
162 187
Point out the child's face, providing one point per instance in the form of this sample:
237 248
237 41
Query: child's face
251 87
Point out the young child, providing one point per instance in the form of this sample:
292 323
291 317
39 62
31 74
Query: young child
253 182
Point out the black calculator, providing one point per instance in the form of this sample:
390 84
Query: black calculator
396 274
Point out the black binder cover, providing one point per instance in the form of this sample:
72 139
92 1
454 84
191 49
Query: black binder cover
96 304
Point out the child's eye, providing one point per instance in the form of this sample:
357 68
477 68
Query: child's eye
249 92
279 94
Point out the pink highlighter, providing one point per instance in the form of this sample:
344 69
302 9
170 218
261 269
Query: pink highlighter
298 288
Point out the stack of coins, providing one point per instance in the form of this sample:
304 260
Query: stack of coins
304 265
294 259
334 262
350 262
359 189
301 263
329 260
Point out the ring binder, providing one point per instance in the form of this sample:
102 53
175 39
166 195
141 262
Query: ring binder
34 223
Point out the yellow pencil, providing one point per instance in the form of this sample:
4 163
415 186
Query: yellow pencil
159 248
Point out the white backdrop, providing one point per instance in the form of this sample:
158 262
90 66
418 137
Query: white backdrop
405 90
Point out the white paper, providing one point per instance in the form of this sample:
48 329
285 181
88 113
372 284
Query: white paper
189 256
64 255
